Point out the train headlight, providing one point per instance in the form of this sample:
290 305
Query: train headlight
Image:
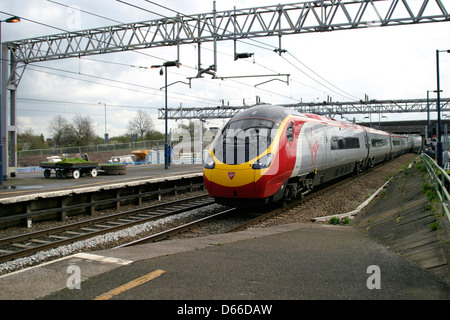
263 162
209 162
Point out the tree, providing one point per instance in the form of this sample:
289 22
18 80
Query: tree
154 135
29 141
140 125
59 129
81 130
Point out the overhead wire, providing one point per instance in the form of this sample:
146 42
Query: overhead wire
183 96
151 2
271 48
309 76
137 7
346 93
232 80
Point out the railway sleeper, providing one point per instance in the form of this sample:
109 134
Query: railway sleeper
20 245
74 233
102 226
58 237
40 241
89 229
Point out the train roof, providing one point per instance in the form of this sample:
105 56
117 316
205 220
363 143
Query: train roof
279 113
274 113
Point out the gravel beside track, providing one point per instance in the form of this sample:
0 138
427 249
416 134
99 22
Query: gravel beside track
344 198
105 241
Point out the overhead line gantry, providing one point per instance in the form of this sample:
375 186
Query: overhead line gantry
236 24
325 108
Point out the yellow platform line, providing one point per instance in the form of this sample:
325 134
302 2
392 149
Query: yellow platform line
130 285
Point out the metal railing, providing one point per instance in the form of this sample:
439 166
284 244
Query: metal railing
440 180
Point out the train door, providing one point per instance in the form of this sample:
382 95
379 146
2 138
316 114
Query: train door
327 145
368 146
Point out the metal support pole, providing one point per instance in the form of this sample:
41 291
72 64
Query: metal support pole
1 106
166 145
438 106
428 116
215 36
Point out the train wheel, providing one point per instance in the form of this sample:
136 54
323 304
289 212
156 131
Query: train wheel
76 174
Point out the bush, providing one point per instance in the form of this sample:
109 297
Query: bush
430 192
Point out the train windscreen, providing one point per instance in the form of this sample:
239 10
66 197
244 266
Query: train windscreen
244 139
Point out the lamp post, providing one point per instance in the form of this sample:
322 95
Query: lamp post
9 20
166 145
106 132
439 140
428 138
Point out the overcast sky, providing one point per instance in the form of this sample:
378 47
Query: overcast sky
384 63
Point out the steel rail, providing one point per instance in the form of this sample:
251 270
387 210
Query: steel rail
94 227
114 199
177 230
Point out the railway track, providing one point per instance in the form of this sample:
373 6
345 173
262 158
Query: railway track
27 244
292 204
180 229
251 218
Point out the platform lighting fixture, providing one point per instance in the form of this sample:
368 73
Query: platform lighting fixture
14 19
106 131
439 140
166 64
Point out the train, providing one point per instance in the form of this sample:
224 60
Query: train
270 153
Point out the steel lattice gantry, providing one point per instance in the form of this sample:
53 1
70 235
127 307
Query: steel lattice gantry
322 108
277 20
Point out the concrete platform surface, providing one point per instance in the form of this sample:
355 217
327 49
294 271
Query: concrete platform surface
293 261
33 184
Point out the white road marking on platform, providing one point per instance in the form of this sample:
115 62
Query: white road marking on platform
97 257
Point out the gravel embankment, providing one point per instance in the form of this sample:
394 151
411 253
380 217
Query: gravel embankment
344 198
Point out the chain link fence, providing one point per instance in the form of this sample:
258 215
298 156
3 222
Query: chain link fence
146 145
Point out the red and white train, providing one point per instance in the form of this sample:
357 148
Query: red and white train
270 153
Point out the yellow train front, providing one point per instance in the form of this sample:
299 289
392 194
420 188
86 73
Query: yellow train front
252 158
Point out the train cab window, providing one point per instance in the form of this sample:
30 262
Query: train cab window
290 132
244 139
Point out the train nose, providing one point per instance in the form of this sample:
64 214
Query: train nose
233 182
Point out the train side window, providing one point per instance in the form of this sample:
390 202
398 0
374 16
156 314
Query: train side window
379 142
341 143
290 132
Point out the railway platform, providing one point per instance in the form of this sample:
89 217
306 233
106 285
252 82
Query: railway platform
36 183
309 261
295 261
